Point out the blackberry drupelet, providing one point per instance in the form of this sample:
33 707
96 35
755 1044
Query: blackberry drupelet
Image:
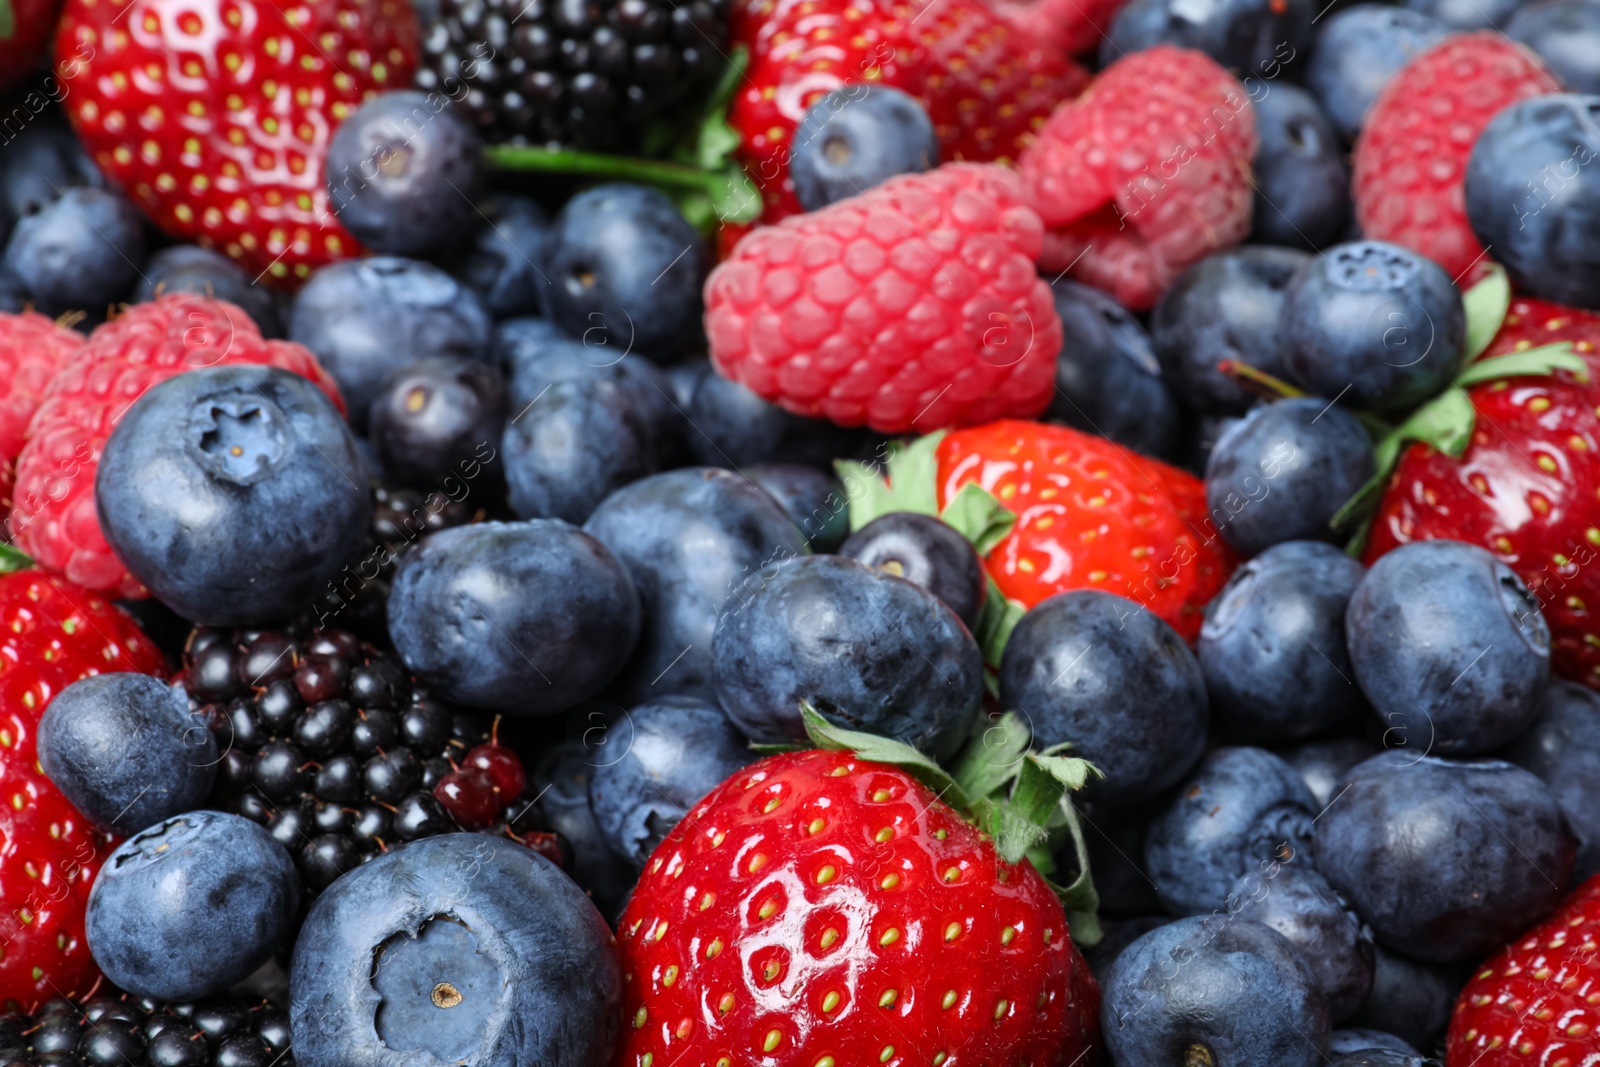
590 74
119 1030
331 745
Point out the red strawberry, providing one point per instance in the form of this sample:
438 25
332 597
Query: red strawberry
1536 1001
1145 174
1411 157
32 349
215 116
1070 26
1528 486
1090 515
25 29
985 85
913 305
54 515
52 633
821 909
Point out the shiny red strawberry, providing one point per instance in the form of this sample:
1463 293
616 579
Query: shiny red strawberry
1528 485
823 909
1536 1001
52 633
25 30
215 115
32 349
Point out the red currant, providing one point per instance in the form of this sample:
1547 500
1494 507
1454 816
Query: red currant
500 764
468 794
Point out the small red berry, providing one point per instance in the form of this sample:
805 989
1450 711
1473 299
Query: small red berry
468 794
502 766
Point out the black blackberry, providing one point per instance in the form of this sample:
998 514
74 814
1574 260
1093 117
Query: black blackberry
591 74
119 1030
331 745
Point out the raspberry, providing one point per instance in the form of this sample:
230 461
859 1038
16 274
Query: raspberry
54 516
32 348
1072 27
1411 157
913 306
1145 174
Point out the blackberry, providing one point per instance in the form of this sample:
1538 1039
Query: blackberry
332 746
119 1030
590 74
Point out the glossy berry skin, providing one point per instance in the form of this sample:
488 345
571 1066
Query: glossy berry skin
1301 905
1323 764
1113 680
204 272
1248 36
1226 307
156 883
54 516
1302 186
1273 647
730 426
1564 33
1530 194
56 633
502 263
115 1029
914 672
562 778
817 904
1445 859
1412 155
1530 999
1108 380
32 349
526 618
1219 988
1357 50
1449 646
1459 15
1409 998
1283 471
43 160
1109 221
526 965
403 172
1152 545
1241 813
82 252
436 414
814 502
856 137
926 551
199 145
1562 747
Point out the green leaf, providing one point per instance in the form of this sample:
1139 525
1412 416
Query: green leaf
997 617
11 557
978 516
1486 305
1080 896
1445 423
8 21
993 754
1022 822
825 734
1544 360
865 489
1385 454
776 748
1071 771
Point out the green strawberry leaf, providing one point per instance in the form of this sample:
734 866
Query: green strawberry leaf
824 734
1023 822
1079 899
997 617
992 755
1546 359
11 557
978 516
1486 305
776 748
8 21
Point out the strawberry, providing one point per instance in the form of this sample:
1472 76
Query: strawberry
913 305
1411 156
1145 174
32 349
52 633
54 516
216 118
25 29
823 908
1536 1001
986 85
1073 27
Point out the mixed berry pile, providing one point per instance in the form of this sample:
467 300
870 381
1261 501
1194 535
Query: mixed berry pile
799 533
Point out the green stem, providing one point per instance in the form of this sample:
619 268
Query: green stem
1259 381
595 165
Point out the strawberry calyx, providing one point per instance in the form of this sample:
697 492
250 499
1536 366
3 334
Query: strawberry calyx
11 557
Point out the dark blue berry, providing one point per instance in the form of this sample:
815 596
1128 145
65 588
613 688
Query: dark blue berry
1410 999
924 550
1299 903
80 252
856 137
1566 35
730 426
192 269
814 501
44 160
1302 185
1324 764
1357 50
1459 15
437 418
502 262
1247 36
1563 748
1360 1039
562 778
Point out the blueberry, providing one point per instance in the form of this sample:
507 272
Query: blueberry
234 493
1382 1057
729 426
1273 648
527 618
438 417
625 270
1374 325
692 539
1532 194
1324 764
1360 48
1284 471
1457 15
192 269
1563 748
521 339
1449 647
1117 682
366 318
856 137
126 751
1566 35
562 775
1302 186
924 550
1360 1039
1446 860
462 948
1117 935
191 906
814 502
81 252
913 672
1247 36
502 262
1301 905
44 160
1202 436
403 172
1108 380
1410 999
671 753
1245 811
1226 307
1213 990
